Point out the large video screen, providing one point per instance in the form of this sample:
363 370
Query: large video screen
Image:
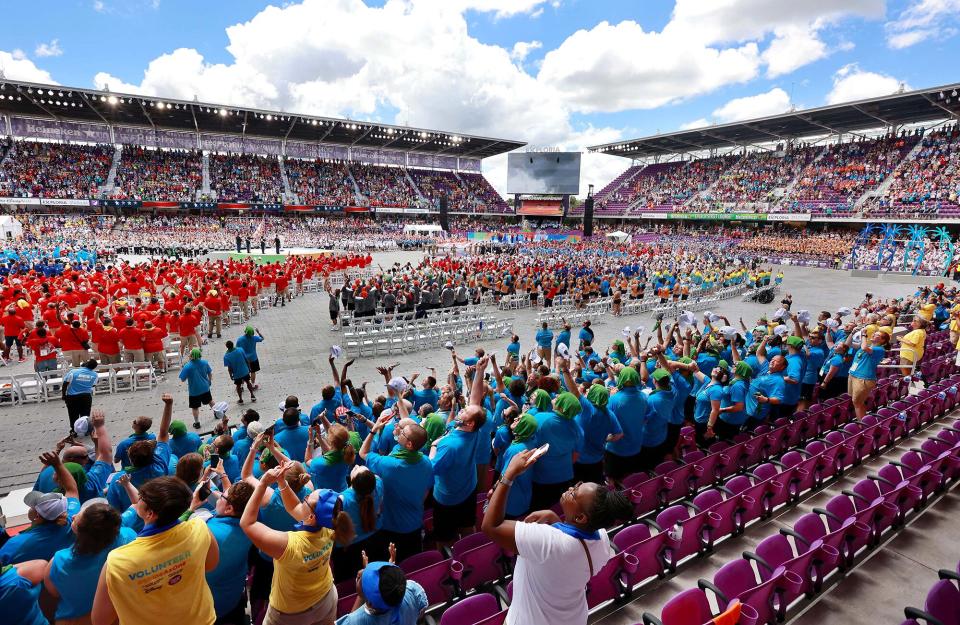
548 173
541 208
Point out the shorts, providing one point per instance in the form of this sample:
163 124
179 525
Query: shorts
10 340
49 364
323 611
334 314
447 520
806 391
254 365
859 389
241 381
199 400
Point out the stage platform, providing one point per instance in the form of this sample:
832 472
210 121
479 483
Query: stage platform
270 256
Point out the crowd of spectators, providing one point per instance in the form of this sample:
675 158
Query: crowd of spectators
434 184
756 176
246 178
55 170
158 175
321 183
384 186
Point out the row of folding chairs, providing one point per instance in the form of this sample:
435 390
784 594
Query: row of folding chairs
400 338
348 318
25 388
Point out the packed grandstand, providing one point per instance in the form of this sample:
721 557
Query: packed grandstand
458 421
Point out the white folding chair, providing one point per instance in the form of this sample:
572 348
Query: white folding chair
9 395
30 387
123 377
53 381
144 376
104 382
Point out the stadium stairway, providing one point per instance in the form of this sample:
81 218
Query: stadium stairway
874 590
205 188
788 190
356 187
881 189
107 189
416 189
288 193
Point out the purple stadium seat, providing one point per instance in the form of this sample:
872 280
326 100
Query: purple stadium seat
775 554
691 607
942 605
649 549
809 532
728 508
420 560
483 560
609 583
440 580
693 527
481 608
737 580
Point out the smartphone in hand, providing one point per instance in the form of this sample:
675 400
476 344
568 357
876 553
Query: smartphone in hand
540 451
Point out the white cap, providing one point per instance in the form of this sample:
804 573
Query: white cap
562 350
336 351
728 332
255 429
398 384
857 336
781 330
713 317
687 318
535 358
82 426
220 409
780 313
843 311
803 316
641 330
448 345
833 324
625 331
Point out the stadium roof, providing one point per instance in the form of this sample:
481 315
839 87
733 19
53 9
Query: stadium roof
902 108
90 105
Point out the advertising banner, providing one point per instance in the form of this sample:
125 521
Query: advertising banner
135 136
469 164
178 140
221 143
788 217
19 201
59 131
50 201
259 145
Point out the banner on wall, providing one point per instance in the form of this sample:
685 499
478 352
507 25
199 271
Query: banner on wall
63 202
59 131
789 217
707 216
19 201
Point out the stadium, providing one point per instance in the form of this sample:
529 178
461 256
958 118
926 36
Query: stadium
274 367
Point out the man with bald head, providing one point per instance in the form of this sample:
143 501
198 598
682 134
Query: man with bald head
407 477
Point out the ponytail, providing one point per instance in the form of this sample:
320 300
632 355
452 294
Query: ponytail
343 532
349 454
363 484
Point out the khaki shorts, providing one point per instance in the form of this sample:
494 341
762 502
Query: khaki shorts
186 342
324 612
859 389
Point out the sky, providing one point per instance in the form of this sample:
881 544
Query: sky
555 73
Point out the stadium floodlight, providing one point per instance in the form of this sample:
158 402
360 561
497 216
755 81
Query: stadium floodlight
269 117
60 94
953 93
112 100
223 112
30 90
50 92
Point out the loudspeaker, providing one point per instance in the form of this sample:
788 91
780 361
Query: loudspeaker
444 219
588 217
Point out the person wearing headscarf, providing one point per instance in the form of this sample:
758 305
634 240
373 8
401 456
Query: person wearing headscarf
629 406
183 442
598 424
199 376
553 473
302 589
656 442
524 433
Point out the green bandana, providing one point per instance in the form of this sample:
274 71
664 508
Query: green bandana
410 456
178 428
435 425
598 395
744 370
567 405
334 456
354 440
525 427
618 346
628 376
79 475
541 400
723 364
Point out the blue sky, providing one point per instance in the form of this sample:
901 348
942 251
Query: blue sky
565 73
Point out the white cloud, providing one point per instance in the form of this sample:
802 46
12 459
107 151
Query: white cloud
702 122
923 19
523 48
618 67
503 8
851 83
792 48
99 6
48 49
772 102
16 66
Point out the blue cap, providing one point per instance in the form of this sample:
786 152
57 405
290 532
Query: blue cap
370 583
322 511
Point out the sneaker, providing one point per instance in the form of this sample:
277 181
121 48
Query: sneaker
240 401
253 399
22 360
196 425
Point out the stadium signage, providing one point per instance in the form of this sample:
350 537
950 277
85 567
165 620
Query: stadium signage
49 201
17 201
707 216
789 217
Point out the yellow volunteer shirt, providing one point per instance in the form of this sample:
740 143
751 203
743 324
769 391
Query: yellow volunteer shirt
912 344
302 576
159 579
926 311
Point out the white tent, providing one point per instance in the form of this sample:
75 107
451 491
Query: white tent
432 230
619 236
10 228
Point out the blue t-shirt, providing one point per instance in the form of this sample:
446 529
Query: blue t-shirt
294 440
565 437
228 580
325 474
454 467
816 355
681 391
794 371
544 337
81 380
45 483
865 362
423 397
405 487
351 505
160 465
629 407
330 405
596 424
414 602
564 338
18 600
248 345
661 408
842 364
485 434
733 394
275 516
120 453
97 477
41 541
196 373
514 349
76 576
521 493
704 404
189 443
769 385
236 362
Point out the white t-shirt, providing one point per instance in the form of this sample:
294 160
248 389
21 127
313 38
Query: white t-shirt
551 574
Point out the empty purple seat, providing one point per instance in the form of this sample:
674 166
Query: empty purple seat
648 547
810 531
483 560
689 529
737 580
609 583
726 508
481 608
420 560
942 605
682 477
774 554
439 580
691 607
